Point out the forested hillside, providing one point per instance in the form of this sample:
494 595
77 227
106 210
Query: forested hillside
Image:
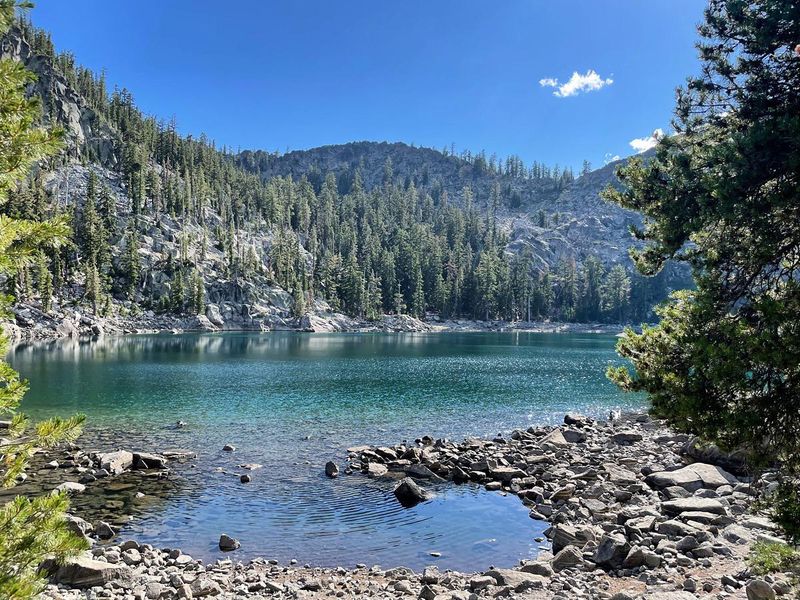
170 223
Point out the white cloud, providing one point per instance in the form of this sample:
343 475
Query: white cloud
644 144
609 158
577 84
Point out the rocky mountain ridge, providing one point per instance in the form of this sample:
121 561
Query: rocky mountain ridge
546 215
577 221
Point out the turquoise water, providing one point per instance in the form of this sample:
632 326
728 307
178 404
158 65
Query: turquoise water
293 401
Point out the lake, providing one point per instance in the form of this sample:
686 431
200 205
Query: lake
291 402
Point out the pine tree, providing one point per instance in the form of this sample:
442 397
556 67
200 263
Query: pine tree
108 211
722 194
399 304
177 292
616 293
31 529
93 288
45 282
198 293
131 263
418 296
589 296
374 297
299 303
92 234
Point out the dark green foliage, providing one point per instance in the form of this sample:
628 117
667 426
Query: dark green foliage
773 557
30 530
723 195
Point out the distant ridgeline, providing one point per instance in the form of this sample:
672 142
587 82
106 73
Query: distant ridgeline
170 222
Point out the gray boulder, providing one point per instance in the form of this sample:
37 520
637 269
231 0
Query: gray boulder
568 535
611 551
627 437
409 493
577 420
554 439
758 589
146 460
227 543
116 462
567 558
331 469
85 572
204 586
506 474
693 504
518 581
214 315
70 488
78 526
104 531
733 462
692 478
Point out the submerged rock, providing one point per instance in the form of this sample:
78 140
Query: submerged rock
70 488
331 469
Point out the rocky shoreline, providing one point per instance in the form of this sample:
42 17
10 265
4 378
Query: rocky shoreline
632 513
31 324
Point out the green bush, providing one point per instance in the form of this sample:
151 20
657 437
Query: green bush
772 557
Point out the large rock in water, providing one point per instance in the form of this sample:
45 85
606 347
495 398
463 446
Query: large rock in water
71 488
693 477
84 572
409 493
227 543
146 460
78 526
331 469
116 462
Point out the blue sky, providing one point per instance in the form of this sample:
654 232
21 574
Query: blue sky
292 75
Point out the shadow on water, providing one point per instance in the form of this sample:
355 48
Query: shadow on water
290 402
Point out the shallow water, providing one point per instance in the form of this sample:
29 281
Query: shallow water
293 401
